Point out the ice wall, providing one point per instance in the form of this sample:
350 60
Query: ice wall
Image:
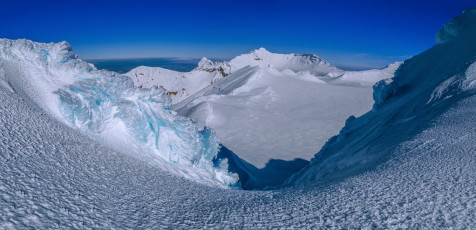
107 107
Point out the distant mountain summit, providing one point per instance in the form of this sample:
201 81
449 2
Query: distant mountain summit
180 85
295 62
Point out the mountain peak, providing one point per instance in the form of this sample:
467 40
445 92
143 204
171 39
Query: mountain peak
204 62
259 51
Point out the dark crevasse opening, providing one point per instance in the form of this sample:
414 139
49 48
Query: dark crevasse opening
252 178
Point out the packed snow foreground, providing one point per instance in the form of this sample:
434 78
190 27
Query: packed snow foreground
408 163
265 106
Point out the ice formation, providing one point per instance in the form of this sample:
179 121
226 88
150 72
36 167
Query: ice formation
107 107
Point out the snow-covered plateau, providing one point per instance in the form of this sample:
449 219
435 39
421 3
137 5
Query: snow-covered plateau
82 148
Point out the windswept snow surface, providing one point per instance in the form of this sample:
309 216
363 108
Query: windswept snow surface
109 108
54 177
270 106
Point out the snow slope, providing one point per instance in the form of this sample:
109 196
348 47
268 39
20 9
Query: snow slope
272 106
423 89
54 177
107 107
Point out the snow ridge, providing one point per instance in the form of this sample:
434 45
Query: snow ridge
456 26
424 87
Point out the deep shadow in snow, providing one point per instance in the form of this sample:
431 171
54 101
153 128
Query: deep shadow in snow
251 178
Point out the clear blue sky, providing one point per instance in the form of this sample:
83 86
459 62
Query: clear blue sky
350 32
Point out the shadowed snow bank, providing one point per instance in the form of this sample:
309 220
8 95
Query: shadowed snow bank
423 88
273 174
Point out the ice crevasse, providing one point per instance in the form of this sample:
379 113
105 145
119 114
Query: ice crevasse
107 107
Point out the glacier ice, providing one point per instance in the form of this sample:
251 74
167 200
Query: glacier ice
107 107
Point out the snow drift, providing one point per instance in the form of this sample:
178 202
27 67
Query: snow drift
106 106
423 88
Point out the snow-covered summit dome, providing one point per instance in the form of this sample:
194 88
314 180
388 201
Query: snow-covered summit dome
295 62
